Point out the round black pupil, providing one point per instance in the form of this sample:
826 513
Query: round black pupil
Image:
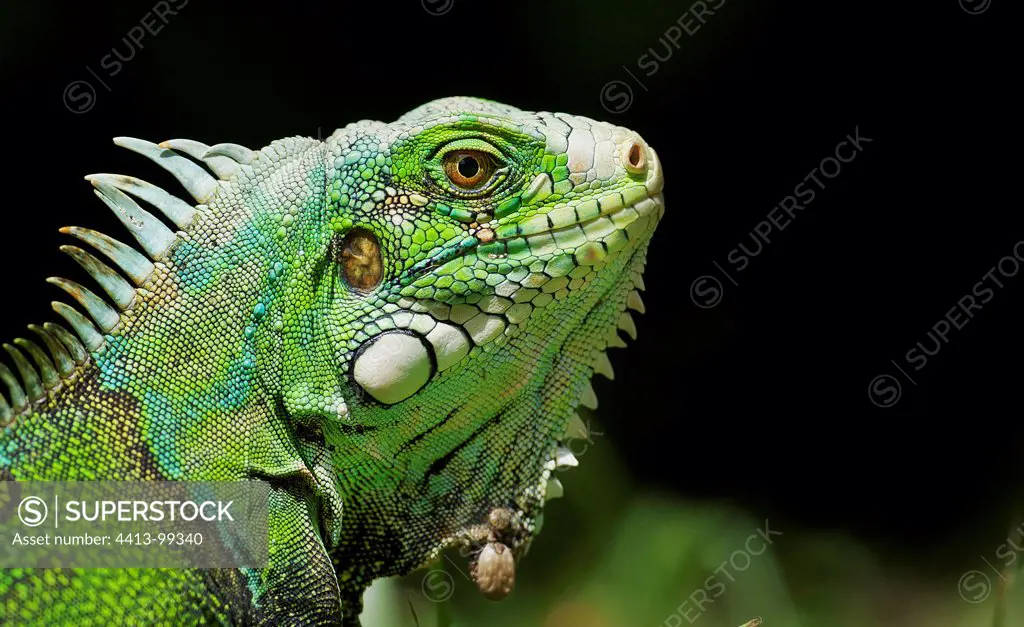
468 167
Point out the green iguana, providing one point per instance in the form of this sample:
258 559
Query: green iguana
393 327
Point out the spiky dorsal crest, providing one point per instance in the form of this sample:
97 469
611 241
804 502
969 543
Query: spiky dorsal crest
65 353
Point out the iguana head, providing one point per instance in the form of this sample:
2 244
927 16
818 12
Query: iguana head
474 263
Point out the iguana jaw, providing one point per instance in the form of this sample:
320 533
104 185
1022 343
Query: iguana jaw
539 484
601 317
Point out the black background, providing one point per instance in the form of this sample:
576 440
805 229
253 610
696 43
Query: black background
762 399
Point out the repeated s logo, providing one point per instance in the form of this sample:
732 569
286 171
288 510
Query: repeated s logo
884 391
32 511
616 96
437 586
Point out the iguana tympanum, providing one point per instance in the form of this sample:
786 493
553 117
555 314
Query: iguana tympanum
393 327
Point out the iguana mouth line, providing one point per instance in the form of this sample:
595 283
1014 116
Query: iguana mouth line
596 218
597 228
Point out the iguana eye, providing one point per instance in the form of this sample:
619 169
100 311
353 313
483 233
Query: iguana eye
469 169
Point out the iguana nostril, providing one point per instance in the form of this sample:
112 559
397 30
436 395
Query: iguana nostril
635 158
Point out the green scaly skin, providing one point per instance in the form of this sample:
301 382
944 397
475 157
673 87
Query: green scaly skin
389 421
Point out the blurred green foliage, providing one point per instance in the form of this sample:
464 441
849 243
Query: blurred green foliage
614 554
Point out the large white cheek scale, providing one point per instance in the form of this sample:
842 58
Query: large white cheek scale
393 366
450 345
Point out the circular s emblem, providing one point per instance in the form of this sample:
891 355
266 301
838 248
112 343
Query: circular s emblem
32 511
